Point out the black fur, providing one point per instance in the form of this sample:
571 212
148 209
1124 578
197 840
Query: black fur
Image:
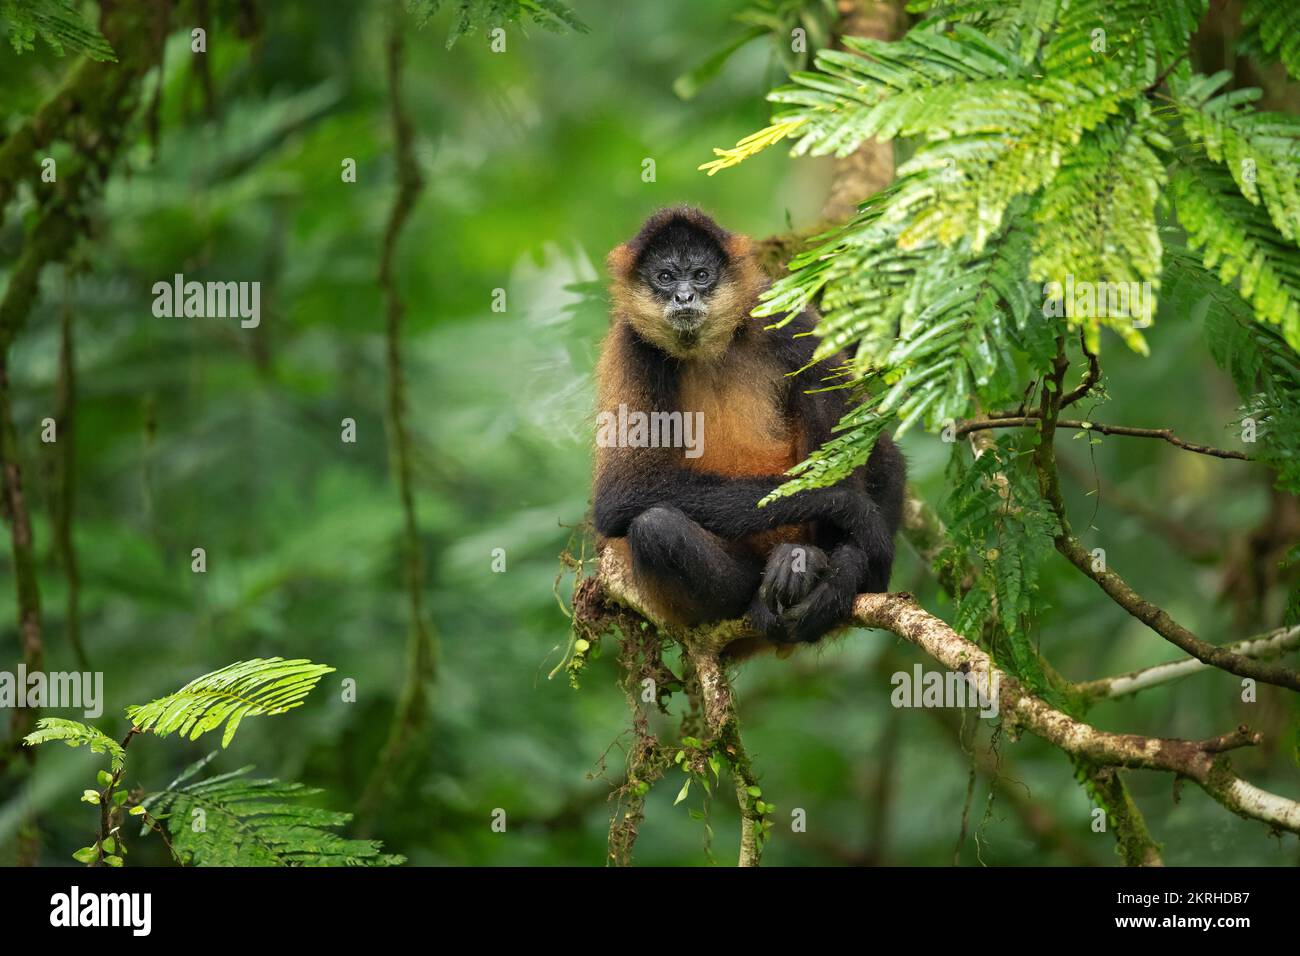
676 256
685 527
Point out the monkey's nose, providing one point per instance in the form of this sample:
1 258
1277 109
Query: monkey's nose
684 297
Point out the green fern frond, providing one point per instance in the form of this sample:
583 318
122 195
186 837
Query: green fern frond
934 331
59 23
1271 33
1260 150
245 689
998 525
1135 37
1038 153
554 16
473 16
877 89
1096 221
976 176
1019 25
855 272
76 734
992 127
234 820
1262 366
958 348
848 100
752 145
1081 35
1237 240
939 324
838 458
1097 218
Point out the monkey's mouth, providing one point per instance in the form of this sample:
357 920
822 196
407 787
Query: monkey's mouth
686 324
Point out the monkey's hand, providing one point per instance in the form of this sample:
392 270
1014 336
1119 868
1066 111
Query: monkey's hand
792 571
826 601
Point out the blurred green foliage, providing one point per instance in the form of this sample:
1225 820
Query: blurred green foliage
196 433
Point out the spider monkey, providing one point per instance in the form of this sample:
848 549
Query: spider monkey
682 340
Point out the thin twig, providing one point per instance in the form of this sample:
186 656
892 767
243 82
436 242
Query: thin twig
1091 376
1149 614
1122 685
1164 434
1164 74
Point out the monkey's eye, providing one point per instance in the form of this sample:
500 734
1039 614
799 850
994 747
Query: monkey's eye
665 276
701 275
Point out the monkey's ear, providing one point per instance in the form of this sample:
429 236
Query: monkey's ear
739 247
620 261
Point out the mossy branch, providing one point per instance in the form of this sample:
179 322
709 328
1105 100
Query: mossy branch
64 483
610 601
93 109
1204 762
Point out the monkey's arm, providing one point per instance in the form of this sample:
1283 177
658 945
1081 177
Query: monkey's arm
881 483
806 591
801 606
728 507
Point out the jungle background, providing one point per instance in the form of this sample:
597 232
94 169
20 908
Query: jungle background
196 433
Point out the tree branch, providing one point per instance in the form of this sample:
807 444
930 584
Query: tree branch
1149 614
101 97
413 700
703 647
1165 434
1091 376
1203 762
1104 785
1122 685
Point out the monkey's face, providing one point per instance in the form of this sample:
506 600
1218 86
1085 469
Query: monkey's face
681 269
684 284
676 282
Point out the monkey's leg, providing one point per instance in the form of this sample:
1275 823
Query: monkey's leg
689 569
